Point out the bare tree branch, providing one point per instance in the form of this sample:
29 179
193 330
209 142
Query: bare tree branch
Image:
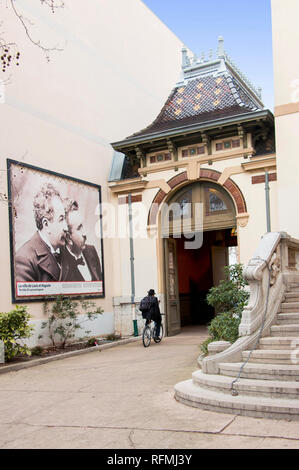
9 51
52 4
3 194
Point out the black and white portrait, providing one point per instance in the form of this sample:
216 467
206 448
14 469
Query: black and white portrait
56 237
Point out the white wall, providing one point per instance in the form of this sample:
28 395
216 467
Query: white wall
118 63
286 80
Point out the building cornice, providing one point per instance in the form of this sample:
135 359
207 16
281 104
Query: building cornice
192 167
129 185
262 162
190 129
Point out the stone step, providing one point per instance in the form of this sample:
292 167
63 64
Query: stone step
279 342
289 307
292 295
272 356
293 287
260 407
283 372
247 387
285 330
288 318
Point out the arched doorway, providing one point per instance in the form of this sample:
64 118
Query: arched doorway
190 271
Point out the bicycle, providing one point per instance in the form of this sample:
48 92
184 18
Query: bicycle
149 332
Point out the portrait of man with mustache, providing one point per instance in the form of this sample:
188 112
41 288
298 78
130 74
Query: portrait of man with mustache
39 259
80 261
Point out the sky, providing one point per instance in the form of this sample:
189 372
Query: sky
245 26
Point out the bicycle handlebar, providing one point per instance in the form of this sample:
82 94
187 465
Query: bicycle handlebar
141 314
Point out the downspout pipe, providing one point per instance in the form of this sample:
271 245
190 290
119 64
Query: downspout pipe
267 190
135 328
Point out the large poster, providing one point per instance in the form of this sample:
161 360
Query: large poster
55 234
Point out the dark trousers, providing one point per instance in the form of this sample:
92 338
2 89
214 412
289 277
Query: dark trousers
157 321
157 325
158 328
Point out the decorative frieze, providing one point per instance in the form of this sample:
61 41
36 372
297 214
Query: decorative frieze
261 178
125 199
159 157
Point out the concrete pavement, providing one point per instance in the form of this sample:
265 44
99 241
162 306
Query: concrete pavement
122 398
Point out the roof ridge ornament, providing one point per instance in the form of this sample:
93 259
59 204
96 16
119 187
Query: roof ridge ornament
220 50
207 63
185 59
248 83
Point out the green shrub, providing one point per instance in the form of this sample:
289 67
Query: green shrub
64 318
93 341
14 327
225 327
230 298
204 345
113 337
37 351
230 295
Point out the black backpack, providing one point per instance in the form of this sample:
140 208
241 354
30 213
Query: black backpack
145 304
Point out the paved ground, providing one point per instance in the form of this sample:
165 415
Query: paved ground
122 398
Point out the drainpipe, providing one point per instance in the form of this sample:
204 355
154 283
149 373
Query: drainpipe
267 190
132 267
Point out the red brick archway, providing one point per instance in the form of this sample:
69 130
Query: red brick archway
206 175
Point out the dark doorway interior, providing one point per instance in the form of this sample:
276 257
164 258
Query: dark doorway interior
198 271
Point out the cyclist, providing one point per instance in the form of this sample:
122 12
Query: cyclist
153 312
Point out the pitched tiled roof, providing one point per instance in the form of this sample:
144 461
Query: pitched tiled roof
203 99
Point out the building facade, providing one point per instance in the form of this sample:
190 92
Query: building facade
257 374
58 118
211 153
193 191
286 88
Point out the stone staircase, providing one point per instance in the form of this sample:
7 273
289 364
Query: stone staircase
269 382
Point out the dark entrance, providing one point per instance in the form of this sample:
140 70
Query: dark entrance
190 273
198 271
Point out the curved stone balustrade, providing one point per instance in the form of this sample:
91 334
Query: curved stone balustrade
257 375
263 270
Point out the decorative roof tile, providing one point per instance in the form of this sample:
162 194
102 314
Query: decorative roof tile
208 90
216 100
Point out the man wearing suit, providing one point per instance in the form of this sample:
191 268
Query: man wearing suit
80 261
39 259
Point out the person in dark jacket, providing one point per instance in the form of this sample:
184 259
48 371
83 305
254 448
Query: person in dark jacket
39 259
154 311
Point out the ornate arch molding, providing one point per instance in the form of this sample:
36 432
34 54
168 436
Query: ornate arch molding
206 175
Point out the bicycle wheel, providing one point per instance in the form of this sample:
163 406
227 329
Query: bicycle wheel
157 339
146 336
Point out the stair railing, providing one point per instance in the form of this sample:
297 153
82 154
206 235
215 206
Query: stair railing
276 256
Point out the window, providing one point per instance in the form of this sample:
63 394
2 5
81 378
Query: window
235 143
182 207
228 144
160 157
215 201
198 206
193 151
